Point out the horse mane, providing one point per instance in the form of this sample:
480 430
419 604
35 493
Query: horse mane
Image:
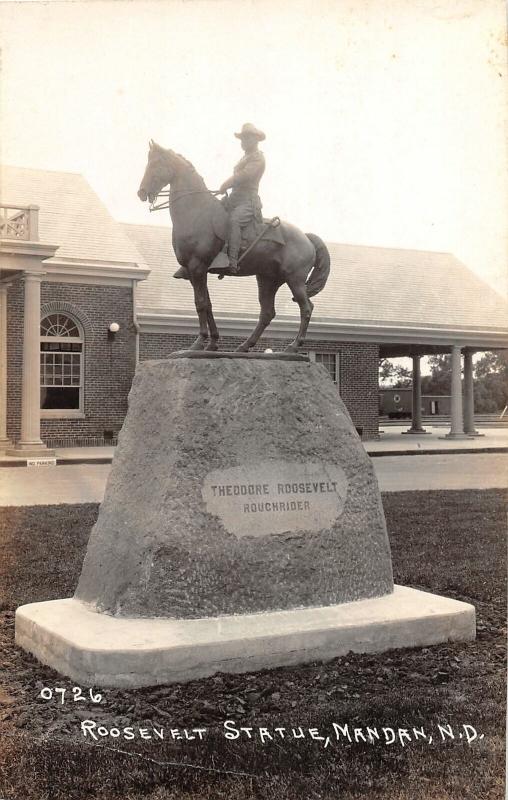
182 161
178 156
179 161
185 161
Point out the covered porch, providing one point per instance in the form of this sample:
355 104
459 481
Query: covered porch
462 409
22 258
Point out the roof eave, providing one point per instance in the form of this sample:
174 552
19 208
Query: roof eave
333 330
25 247
66 268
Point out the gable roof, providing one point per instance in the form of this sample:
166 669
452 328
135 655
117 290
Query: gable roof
71 216
367 285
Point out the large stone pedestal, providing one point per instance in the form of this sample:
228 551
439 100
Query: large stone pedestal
241 525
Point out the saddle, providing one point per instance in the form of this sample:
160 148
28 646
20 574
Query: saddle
251 231
257 229
260 228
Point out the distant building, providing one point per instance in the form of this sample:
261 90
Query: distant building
70 275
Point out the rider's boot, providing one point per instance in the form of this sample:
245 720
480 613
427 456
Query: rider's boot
235 238
233 265
181 273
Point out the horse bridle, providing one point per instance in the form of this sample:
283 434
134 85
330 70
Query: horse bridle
171 200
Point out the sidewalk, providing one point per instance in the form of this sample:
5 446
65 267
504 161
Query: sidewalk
67 455
390 443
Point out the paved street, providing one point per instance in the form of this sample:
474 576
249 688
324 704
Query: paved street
463 471
84 483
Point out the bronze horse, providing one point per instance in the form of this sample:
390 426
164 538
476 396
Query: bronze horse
199 232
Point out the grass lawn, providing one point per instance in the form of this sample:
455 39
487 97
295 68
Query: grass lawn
451 543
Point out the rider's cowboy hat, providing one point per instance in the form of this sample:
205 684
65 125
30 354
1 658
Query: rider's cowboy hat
251 129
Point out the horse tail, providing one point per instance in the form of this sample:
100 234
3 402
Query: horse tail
319 275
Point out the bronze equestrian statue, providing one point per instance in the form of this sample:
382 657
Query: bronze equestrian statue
200 229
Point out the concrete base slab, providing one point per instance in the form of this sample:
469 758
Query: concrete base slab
99 650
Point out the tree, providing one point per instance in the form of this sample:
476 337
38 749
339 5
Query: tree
440 379
490 379
491 382
393 375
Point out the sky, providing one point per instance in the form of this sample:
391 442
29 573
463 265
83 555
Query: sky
385 120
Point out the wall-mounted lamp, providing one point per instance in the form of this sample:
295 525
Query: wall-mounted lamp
113 330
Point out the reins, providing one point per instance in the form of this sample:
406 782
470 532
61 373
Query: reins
170 201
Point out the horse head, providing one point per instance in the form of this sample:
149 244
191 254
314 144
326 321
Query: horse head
160 170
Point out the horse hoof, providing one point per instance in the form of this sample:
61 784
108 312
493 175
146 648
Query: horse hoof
212 346
242 349
199 344
291 348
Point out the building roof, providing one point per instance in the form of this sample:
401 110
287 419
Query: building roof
71 215
378 293
367 285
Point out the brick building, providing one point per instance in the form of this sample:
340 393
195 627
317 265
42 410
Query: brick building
83 298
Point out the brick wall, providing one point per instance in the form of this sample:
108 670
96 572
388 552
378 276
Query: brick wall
108 365
358 384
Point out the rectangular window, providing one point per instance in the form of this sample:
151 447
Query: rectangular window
61 380
330 361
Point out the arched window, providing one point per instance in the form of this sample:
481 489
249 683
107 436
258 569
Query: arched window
61 363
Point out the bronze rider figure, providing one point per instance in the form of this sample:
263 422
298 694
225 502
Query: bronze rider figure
243 203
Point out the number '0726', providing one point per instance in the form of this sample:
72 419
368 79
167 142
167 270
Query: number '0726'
77 694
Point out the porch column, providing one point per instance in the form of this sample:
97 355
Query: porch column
469 427
30 443
416 415
4 441
456 430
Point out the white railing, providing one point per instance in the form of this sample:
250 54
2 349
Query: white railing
19 222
